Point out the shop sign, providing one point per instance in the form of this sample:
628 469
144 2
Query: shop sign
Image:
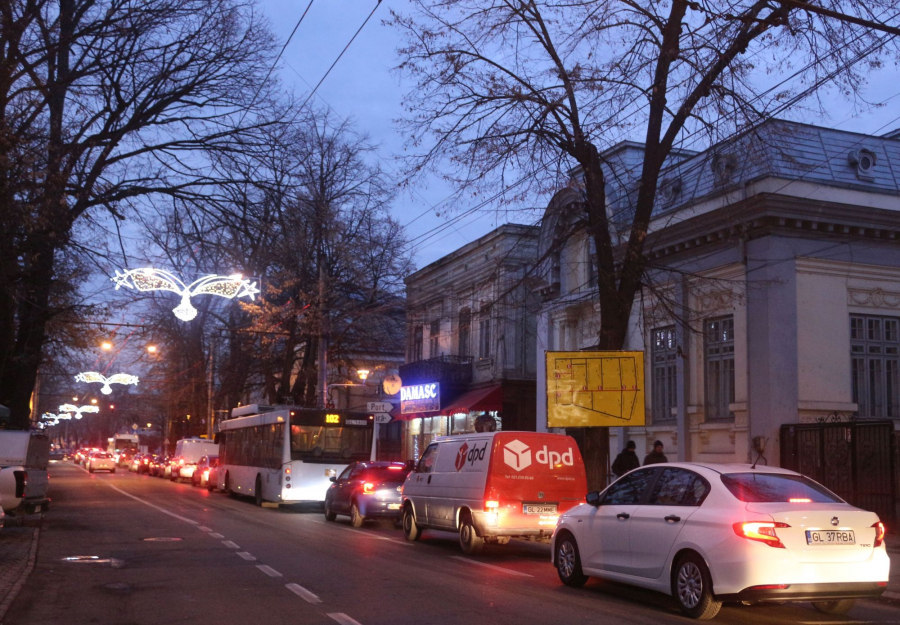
420 398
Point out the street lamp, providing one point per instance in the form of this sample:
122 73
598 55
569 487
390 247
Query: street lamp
94 401
151 349
363 374
106 345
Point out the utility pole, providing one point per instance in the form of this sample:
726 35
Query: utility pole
210 387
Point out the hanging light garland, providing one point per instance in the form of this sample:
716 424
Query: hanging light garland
150 279
118 378
76 410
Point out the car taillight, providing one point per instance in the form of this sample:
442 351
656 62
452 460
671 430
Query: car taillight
879 533
368 488
181 462
146 461
761 531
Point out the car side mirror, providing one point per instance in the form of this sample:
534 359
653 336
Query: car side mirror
332 479
593 498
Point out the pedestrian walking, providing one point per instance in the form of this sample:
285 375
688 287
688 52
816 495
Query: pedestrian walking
656 456
626 460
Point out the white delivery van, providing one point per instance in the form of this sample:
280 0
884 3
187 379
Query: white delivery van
188 452
491 487
24 457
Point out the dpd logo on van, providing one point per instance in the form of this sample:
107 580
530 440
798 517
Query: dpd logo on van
517 455
469 455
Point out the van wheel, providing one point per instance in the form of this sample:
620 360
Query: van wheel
411 531
257 493
469 540
838 607
692 588
568 562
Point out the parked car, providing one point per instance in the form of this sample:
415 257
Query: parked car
200 476
491 487
367 490
123 459
144 465
156 465
135 462
101 461
24 457
213 477
170 467
708 533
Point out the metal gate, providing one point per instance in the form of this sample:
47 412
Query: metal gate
856 460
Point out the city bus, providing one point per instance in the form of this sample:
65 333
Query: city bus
123 447
289 455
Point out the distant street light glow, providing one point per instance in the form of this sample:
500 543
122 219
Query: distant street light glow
107 345
118 378
151 349
150 279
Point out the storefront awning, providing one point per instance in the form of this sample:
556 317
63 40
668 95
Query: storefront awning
488 398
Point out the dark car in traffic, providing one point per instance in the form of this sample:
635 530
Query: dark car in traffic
202 472
367 490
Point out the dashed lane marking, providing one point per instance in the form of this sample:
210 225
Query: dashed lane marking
376 536
303 593
247 556
491 566
215 535
230 544
147 503
342 618
268 570
203 528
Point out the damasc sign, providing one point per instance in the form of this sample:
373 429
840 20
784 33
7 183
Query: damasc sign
420 398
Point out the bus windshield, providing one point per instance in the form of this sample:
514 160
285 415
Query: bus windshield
314 442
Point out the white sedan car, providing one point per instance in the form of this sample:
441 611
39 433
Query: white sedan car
101 461
708 533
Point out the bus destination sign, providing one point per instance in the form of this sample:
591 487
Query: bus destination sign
420 398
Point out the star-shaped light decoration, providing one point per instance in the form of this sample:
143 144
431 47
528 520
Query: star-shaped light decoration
150 279
77 410
118 378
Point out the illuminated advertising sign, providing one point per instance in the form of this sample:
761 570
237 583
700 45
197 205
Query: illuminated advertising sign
420 398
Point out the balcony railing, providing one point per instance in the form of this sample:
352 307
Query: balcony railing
445 369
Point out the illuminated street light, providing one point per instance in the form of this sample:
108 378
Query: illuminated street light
149 425
151 349
94 401
106 345
363 374
74 399
118 378
150 279
112 406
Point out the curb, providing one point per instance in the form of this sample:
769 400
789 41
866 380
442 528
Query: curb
32 558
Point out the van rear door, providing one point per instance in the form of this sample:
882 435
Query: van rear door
535 477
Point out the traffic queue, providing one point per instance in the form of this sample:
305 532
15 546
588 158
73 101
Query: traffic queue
702 533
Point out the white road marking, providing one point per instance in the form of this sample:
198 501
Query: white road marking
303 593
268 570
247 556
147 503
342 618
230 544
371 535
491 566
215 535
203 528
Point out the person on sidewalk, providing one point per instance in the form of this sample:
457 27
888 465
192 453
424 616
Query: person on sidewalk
626 461
656 456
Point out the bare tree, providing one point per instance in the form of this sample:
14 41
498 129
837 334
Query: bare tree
103 102
530 89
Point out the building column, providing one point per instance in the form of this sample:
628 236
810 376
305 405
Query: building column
544 344
683 376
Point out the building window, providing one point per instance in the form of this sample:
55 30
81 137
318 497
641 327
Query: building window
875 359
434 339
663 354
417 344
465 327
484 337
719 367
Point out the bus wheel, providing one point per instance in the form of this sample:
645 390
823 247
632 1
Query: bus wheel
257 493
356 519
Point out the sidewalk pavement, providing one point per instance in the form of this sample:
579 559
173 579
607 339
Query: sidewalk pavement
18 549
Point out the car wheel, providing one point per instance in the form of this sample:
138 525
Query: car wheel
329 515
257 492
568 562
411 530
356 519
692 588
469 539
837 607
90 469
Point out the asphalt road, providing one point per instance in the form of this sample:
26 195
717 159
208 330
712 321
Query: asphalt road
236 563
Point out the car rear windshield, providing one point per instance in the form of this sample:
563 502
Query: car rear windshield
775 488
384 474
102 455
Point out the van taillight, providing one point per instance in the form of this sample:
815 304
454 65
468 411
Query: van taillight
879 533
21 482
491 505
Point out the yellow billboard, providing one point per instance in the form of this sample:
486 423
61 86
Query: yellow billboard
595 389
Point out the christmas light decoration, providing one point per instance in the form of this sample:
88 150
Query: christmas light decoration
76 410
149 279
118 378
